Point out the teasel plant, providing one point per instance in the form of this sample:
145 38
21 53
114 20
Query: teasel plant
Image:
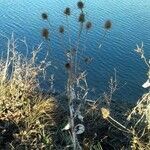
45 17
81 20
77 88
107 27
141 128
67 13
76 83
62 31
47 33
83 57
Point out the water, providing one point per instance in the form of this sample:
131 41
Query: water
131 22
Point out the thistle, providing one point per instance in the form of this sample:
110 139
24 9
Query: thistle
45 33
67 11
44 16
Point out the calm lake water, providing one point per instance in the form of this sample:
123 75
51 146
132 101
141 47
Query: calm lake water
131 25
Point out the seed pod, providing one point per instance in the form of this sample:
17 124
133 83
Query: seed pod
61 29
108 25
67 11
81 18
88 25
80 5
44 16
45 33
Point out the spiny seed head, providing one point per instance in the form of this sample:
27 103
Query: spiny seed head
61 29
105 112
108 25
88 25
80 5
81 18
68 66
45 33
44 16
67 11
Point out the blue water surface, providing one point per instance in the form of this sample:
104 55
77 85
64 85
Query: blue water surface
131 26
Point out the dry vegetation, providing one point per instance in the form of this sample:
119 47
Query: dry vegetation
30 119
26 115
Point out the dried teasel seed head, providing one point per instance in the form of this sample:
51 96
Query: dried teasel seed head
44 16
108 25
61 29
67 11
80 4
105 112
81 18
45 33
88 25
68 66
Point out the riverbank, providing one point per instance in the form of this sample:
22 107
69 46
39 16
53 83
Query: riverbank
31 119
37 123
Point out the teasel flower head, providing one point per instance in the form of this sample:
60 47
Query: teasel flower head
61 29
80 5
44 16
67 11
108 25
88 25
45 33
105 112
81 18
